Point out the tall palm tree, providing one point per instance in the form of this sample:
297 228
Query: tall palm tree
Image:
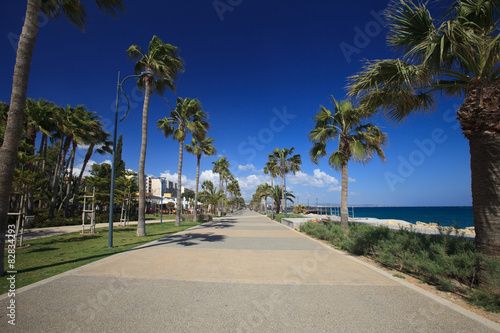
40 117
188 117
271 169
198 147
164 62
75 13
99 142
221 166
456 54
286 163
276 194
357 142
72 120
212 196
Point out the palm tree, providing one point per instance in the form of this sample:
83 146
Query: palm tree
212 196
271 168
276 194
198 147
98 143
457 54
71 122
188 117
221 166
164 62
76 14
286 162
357 142
40 117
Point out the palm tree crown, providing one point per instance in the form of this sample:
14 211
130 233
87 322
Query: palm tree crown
357 141
199 146
188 117
162 60
285 162
457 55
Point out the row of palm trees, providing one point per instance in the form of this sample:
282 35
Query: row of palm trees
12 134
280 163
63 130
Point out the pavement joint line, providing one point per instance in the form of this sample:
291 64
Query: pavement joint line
489 323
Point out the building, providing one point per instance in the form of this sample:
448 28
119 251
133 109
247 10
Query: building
157 185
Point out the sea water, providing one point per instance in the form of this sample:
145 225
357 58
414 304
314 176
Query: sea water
445 216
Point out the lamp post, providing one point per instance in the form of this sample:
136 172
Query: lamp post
161 202
284 183
119 86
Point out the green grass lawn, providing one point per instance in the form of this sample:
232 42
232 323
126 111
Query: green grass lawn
166 217
50 256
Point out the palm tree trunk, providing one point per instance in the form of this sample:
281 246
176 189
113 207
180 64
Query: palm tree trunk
485 177
179 190
13 127
69 186
141 223
282 193
272 187
57 177
344 213
79 179
196 190
220 188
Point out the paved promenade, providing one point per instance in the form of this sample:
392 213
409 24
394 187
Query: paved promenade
241 273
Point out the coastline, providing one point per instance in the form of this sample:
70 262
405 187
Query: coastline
394 224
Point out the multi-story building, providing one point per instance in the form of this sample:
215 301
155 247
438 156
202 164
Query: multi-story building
156 186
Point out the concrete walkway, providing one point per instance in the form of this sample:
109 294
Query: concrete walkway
241 273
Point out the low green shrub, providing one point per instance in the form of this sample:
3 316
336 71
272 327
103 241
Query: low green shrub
449 263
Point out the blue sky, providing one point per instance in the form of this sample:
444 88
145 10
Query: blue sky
261 69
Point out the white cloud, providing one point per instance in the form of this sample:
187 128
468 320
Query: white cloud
351 180
247 167
317 179
78 168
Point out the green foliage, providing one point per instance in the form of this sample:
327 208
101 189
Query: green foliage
449 263
299 209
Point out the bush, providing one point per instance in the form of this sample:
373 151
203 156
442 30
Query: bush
449 263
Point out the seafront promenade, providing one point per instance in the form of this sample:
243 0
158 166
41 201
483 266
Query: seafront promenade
240 273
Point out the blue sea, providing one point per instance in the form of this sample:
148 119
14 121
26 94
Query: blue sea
445 216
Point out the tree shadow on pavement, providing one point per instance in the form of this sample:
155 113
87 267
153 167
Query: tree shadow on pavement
187 239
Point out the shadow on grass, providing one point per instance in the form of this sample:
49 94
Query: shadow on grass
46 249
72 239
98 256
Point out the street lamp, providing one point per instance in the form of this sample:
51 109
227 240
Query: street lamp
161 204
119 86
284 181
